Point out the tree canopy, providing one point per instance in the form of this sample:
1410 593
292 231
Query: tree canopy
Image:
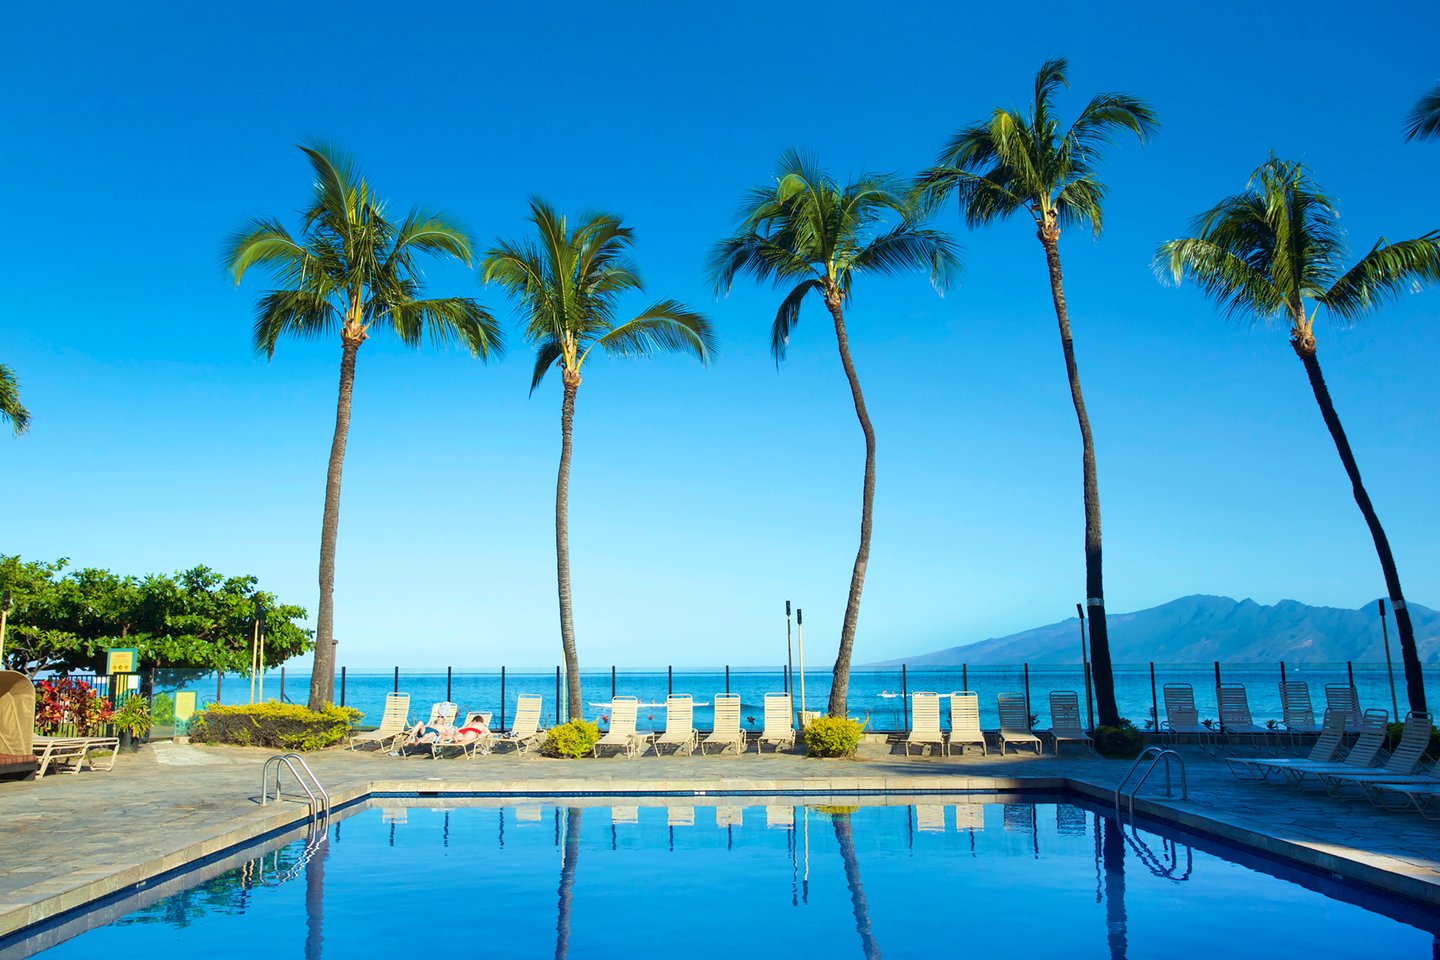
196 619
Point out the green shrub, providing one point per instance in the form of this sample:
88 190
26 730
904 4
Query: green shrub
162 710
833 736
1123 741
284 726
132 716
574 739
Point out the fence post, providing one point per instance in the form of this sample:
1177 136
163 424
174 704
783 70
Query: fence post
502 698
905 697
1350 672
342 686
785 678
449 677
1218 712
282 684
1154 700
965 677
727 678
397 680
612 682
1027 691
557 699
669 680
220 675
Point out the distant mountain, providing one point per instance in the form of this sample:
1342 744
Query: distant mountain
1201 628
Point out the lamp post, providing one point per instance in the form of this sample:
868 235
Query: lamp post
257 653
789 658
5 602
800 648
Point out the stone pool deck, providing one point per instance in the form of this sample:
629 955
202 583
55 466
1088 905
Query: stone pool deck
68 840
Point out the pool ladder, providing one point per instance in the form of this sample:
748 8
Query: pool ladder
316 794
1156 755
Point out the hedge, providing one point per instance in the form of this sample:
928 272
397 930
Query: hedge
286 726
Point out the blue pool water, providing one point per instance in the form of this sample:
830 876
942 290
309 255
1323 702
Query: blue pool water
936 878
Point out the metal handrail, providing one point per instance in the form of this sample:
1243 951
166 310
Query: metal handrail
1155 755
318 809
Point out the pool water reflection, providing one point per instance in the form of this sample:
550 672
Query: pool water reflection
709 878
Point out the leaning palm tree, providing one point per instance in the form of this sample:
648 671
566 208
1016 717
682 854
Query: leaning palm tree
568 284
10 407
352 269
1275 253
1423 123
1015 162
808 233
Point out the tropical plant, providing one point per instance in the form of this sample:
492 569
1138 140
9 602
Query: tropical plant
567 284
1274 254
1015 163
1423 123
62 704
287 726
132 716
351 269
10 408
808 234
832 736
574 739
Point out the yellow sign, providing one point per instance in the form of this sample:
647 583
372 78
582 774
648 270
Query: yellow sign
122 660
184 704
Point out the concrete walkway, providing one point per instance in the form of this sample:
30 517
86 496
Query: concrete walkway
71 839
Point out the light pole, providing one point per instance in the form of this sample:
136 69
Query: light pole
789 658
800 647
257 653
5 601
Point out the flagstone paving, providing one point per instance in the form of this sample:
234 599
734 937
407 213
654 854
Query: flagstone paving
67 839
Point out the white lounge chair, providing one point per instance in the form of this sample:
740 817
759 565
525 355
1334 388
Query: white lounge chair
1181 715
525 732
727 732
1343 696
394 723
1323 753
1399 767
779 723
1362 755
965 723
1015 723
1296 710
1235 718
74 753
925 723
622 735
1065 723
679 725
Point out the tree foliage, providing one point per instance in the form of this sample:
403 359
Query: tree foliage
10 407
196 619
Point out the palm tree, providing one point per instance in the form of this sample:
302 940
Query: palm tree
351 268
1262 254
10 408
1424 120
569 861
1014 162
845 838
807 233
568 284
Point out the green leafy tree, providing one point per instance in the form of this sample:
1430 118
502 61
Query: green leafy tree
1275 253
352 269
567 284
1032 164
808 234
11 410
1423 123
195 619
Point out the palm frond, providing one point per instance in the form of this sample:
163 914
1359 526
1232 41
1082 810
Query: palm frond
1081 202
305 314
446 320
666 326
1383 274
788 317
10 407
547 354
906 247
1238 287
1423 123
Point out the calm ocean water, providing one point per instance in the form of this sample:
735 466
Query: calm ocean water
875 695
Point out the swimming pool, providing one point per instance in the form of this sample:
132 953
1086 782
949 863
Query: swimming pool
748 877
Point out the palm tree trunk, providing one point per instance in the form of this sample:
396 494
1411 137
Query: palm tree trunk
844 836
562 547
1101 669
1116 928
567 882
315 903
840 685
322 674
1409 654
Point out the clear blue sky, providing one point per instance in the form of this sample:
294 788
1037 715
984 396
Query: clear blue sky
135 138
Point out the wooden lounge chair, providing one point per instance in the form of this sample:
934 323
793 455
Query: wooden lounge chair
394 723
965 723
1015 723
727 732
779 723
1065 723
1343 696
525 732
622 735
679 725
1323 754
1235 719
1181 716
925 724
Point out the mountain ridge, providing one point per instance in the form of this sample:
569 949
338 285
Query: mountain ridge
1202 627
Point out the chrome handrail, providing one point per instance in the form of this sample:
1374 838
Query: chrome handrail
319 806
1155 755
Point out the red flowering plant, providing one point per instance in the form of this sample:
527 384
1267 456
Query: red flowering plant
71 703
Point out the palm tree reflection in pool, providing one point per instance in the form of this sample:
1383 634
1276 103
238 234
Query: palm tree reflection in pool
315 903
567 882
844 836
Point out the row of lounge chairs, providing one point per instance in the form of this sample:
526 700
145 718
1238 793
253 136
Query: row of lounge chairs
1015 730
1236 724
1397 782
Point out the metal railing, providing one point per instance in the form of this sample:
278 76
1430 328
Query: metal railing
318 798
1156 756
